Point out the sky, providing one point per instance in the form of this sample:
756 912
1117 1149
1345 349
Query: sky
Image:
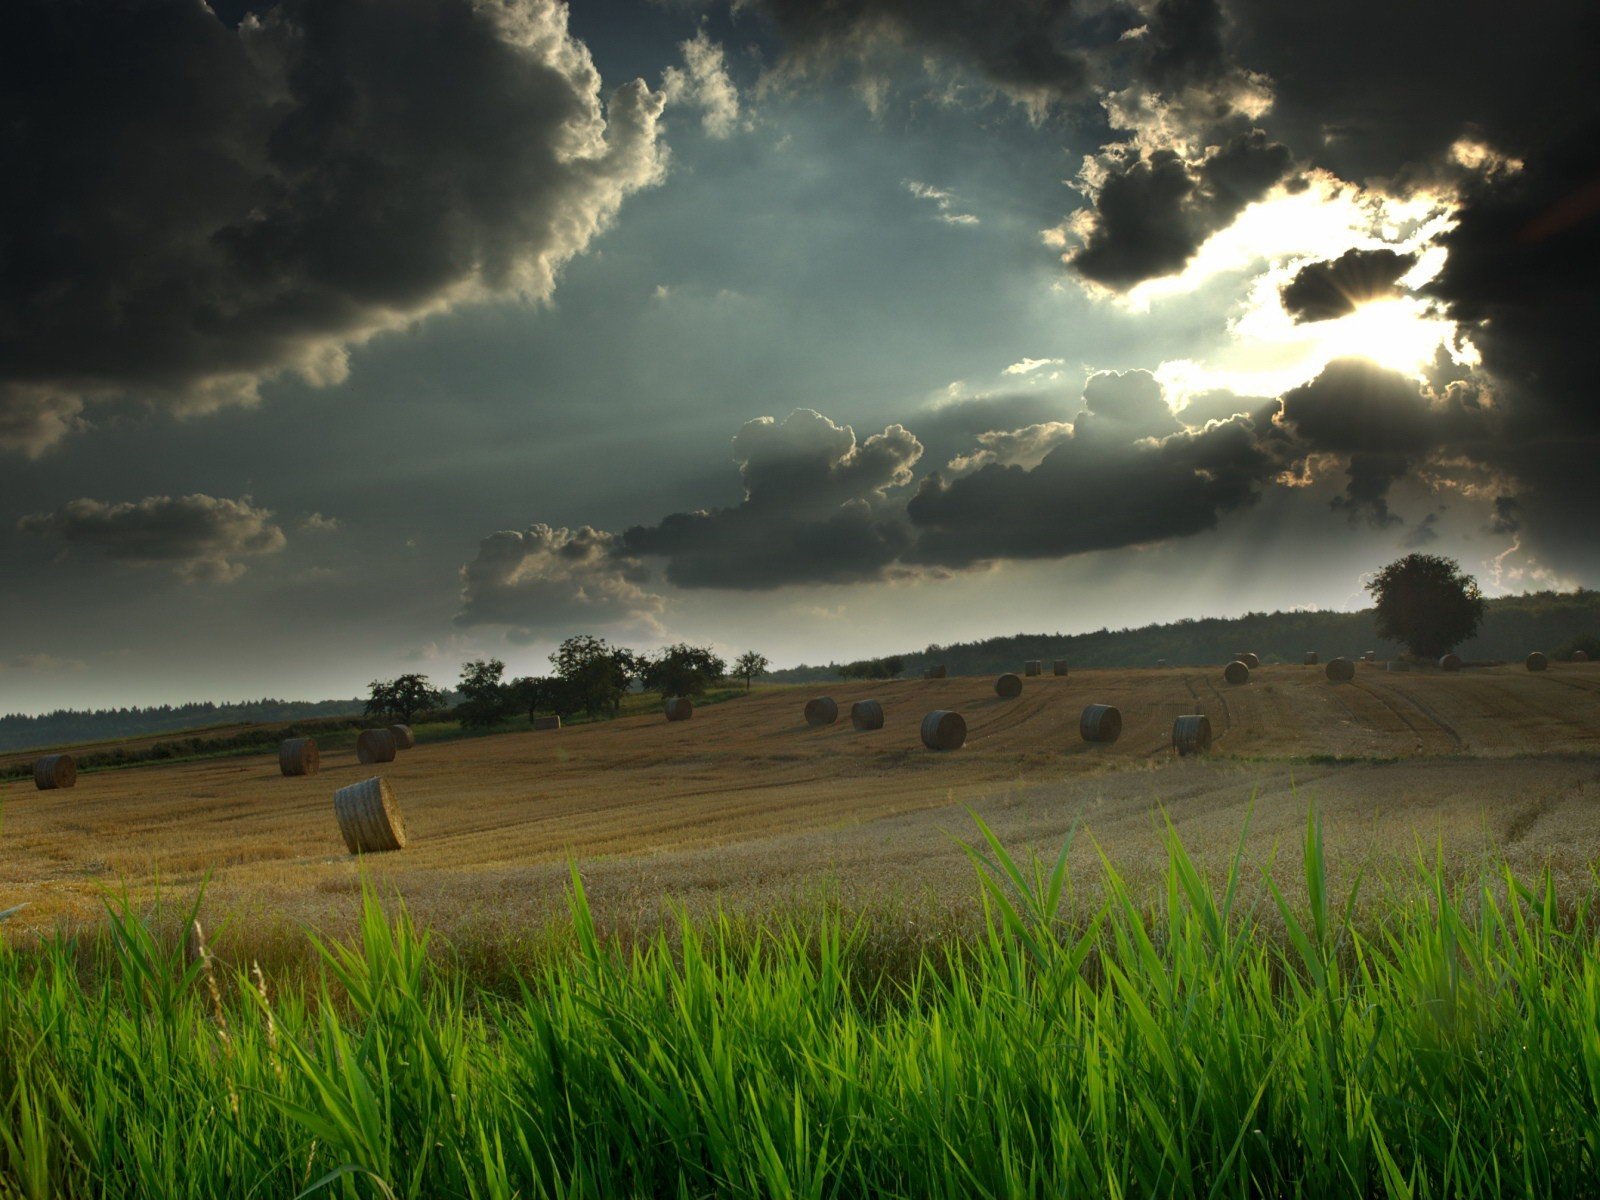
341 338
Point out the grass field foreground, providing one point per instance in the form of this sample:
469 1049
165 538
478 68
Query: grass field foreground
1170 1049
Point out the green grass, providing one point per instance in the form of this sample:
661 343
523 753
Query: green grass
1184 1047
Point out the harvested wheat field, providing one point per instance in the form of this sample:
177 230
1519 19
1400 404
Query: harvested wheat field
747 804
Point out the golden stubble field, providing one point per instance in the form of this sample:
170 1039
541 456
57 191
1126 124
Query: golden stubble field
747 806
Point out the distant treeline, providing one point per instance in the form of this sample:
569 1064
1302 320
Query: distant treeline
67 727
1512 626
328 730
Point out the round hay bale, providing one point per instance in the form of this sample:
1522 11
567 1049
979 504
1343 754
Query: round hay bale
1008 687
679 708
939 672
550 722
1399 664
1311 658
299 756
1580 656
866 714
1536 661
375 746
1192 734
1059 667
369 818
1250 660
404 739
1450 662
1340 670
944 730
1236 672
1033 667
821 711
1100 723
1161 664
55 771
1370 656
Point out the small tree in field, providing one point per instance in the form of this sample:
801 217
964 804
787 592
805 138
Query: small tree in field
683 670
1426 603
593 675
403 698
485 699
749 666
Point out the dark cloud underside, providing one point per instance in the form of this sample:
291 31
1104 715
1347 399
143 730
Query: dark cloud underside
189 208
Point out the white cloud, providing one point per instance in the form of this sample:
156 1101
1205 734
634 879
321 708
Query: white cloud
703 82
1028 366
199 537
546 581
943 201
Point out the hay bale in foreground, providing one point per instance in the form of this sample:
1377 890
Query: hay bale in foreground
375 746
1249 659
1450 662
1192 734
1008 687
944 730
1536 661
55 771
1236 672
679 708
1580 656
550 722
299 756
1340 670
369 818
1100 723
404 739
1059 667
1033 666
821 711
866 714
1311 658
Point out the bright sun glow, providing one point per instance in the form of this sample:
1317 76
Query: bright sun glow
1395 333
1322 220
1269 353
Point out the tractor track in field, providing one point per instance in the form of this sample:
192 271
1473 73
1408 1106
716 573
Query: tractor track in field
1573 684
1221 699
1426 710
1435 724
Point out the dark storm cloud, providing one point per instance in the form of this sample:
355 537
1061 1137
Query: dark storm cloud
1322 291
1383 423
1182 44
1424 533
199 537
1153 211
1505 519
1032 50
1376 90
1520 276
1130 475
188 209
543 580
815 510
